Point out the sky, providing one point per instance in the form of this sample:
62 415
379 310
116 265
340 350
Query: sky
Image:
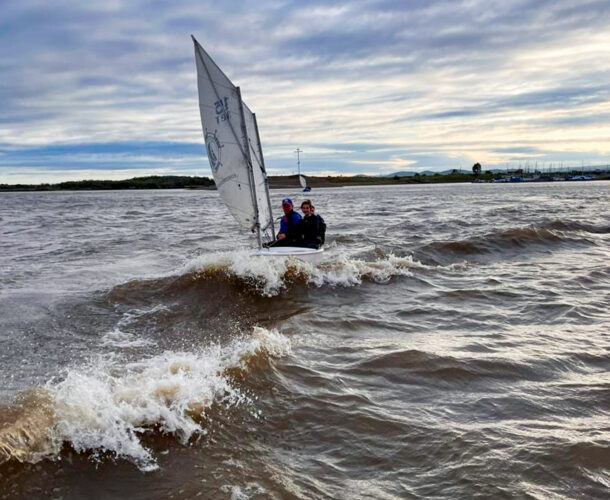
107 89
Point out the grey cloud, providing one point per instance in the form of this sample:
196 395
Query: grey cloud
473 34
566 97
518 149
68 61
451 114
597 119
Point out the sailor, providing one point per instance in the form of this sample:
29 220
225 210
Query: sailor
288 236
311 228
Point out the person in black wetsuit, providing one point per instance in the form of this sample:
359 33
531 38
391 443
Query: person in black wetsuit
311 229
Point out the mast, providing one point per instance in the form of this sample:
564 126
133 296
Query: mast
298 152
250 173
260 150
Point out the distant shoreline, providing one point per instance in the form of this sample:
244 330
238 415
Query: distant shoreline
275 182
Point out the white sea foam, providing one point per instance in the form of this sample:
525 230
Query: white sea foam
349 271
263 274
105 407
119 338
269 276
244 493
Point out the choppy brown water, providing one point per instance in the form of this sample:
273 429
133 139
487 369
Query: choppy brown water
453 344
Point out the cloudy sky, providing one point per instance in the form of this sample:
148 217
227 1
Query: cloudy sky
107 89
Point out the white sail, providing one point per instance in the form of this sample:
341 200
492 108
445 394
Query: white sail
261 186
302 181
233 147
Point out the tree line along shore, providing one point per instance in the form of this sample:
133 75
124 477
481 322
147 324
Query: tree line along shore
287 182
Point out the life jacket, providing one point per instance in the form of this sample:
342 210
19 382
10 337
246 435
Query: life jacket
289 225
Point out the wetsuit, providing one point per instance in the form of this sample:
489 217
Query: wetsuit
311 231
288 226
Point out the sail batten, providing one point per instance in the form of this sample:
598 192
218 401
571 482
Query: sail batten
233 147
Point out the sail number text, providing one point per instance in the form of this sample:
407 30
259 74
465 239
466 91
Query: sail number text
222 110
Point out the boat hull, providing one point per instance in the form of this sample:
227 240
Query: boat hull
306 254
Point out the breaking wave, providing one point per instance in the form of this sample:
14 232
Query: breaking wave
269 277
105 409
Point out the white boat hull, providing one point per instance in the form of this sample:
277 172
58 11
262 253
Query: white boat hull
306 254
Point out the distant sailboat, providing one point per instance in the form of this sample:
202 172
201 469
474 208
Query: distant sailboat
306 188
236 156
302 180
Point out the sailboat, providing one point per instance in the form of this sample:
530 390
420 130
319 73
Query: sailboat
302 181
306 188
236 158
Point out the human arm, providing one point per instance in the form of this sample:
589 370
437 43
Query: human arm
321 230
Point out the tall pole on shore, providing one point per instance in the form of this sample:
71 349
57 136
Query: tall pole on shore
298 152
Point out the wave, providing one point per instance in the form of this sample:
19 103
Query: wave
408 365
106 408
571 225
268 277
511 239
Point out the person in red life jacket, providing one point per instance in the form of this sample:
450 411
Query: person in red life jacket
288 235
311 229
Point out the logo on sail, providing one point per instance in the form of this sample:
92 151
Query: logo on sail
214 148
222 109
